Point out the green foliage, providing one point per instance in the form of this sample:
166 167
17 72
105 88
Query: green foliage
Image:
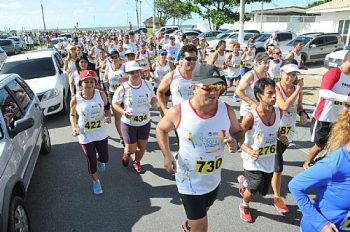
316 3
180 10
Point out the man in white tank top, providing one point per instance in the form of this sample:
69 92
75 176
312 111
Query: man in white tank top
296 53
204 124
179 80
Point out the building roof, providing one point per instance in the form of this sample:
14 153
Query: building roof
150 20
290 10
333 6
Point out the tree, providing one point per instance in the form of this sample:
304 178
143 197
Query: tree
180 10
316 3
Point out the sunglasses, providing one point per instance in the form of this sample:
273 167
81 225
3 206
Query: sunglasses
114 57
191 58
164 54
216 87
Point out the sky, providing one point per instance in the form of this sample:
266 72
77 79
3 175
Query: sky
26 14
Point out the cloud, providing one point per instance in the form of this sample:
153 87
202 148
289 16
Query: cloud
10 5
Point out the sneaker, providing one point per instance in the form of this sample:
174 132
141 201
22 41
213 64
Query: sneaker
244 213
122 141
279 205
137 166
185 226
125 160
97 189
101 167
242 184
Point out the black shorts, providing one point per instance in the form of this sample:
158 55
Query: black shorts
167 93
196 205
320 131
281 148
258 181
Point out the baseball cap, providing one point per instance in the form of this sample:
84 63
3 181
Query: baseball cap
261 56
127 52
132 66
206 74
288 68
112 51
162 51
86 74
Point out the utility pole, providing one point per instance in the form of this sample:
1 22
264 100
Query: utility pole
42 12
241 22
137 14
140 14
127 19
261 16
154 15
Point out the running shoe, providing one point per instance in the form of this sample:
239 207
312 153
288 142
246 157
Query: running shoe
125 160
122 141
242 184
97 189
185 226
101 167
138 168
279 205
244 213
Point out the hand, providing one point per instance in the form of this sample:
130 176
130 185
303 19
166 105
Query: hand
232 144
283 139
75 132
108 119
303 118
254 155
170 164
128 114
330 227
300 83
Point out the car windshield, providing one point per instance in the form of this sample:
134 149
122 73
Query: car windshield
304 39
30 69
262 37
222 35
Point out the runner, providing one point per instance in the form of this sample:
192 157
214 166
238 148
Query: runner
172 48
114 77
203 123
161 68
143 58
259 149
248 59
81 64
218 58
334 94
179 80
69 63
275 65
245 88
93 110
136 96
331 178
296 53
233 62
289 98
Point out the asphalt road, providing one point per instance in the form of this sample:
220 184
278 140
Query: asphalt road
60 194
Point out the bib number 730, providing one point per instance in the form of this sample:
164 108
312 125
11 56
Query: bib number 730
270 149
208 166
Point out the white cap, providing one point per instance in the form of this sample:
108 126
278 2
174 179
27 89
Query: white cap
129 52
288 68
132 66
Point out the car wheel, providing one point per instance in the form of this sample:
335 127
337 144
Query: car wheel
18 216
46 145
65 108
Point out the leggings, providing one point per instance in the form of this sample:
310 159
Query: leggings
90 149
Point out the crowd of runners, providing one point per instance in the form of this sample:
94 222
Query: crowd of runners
128 75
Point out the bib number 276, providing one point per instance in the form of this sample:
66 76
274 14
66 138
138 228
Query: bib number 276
208 166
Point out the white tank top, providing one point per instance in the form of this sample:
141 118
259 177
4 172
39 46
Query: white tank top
160 72
264 139
143 60
201 150
289 118
115 76
236 63
274 70
245 107
71 66
249 60
137 101
297 57
220 61
180 88
91 117
76 78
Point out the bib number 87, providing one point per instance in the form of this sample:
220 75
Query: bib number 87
267 150
90 125
208 166
285 130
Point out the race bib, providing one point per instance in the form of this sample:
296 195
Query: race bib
338 103
346 224
91 125
267 150
115 86
140 118
208 166
285 130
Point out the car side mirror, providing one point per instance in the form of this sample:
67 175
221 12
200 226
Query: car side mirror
313 45
21 125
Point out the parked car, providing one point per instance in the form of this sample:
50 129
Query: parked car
163 29
10 46
43 71
335 59
3 56
283 38
143 29
23 135
18 42
209 35
191 34
316 45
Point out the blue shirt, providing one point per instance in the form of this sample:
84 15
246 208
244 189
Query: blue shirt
331 177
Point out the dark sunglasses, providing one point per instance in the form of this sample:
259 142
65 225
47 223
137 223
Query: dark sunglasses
191 58
164 54
114 57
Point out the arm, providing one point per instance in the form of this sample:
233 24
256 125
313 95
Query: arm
332 96
290 55
65 65
107 108
73 116
164 86
243 85
285 104
317 176
300 109
167 124
236 130
329 79
172 66
214 58
228 60
246 125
